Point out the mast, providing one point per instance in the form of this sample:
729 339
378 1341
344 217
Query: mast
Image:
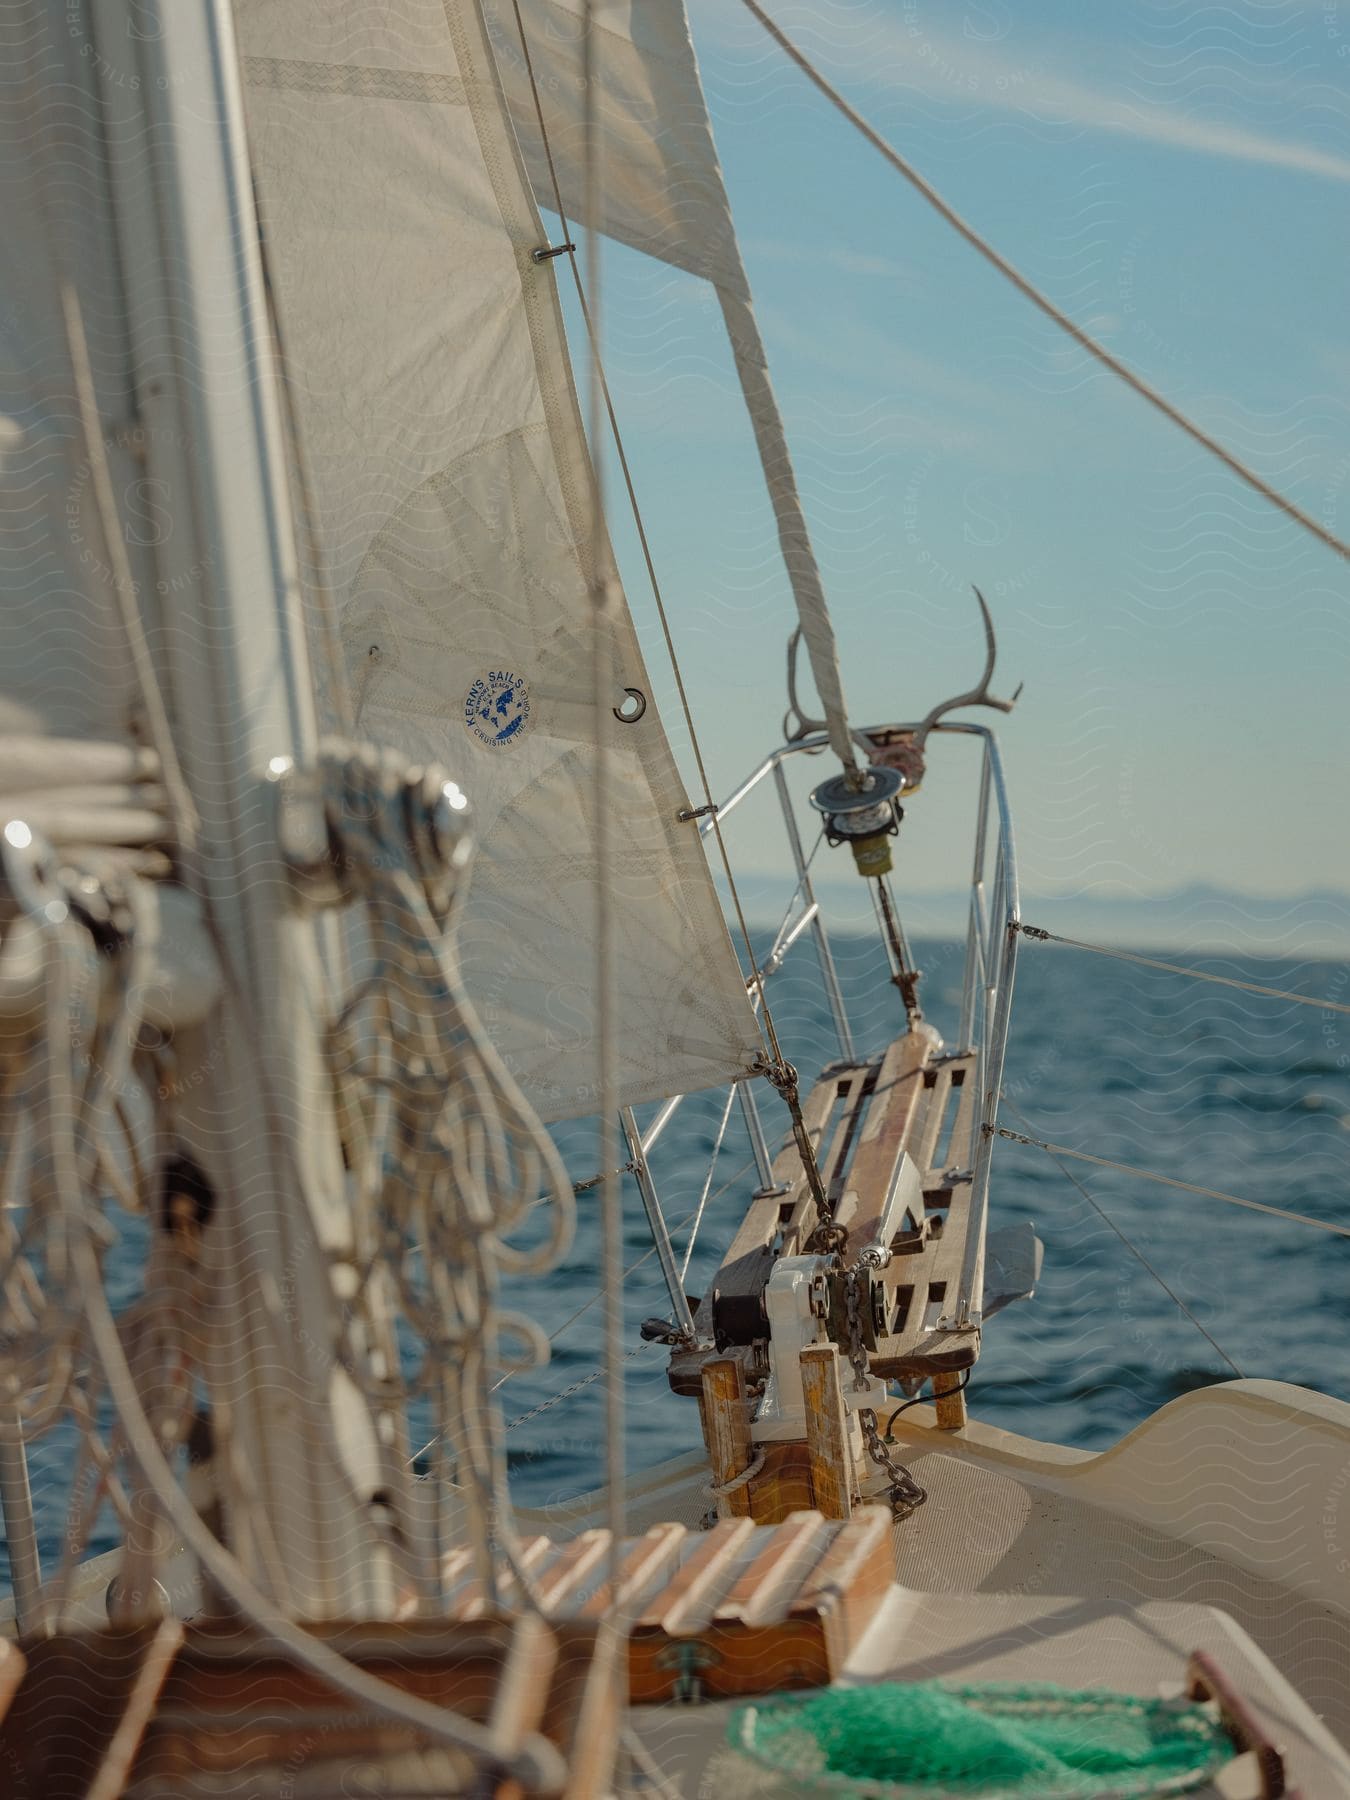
294 1461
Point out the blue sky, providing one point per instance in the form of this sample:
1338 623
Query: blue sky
1176 176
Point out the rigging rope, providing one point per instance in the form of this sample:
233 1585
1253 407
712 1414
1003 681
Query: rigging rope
1040 936
182 807
1045 305
1187 1187
707 1185
75 1121
553 1336
345 713
788 1088
604 586
1133 1249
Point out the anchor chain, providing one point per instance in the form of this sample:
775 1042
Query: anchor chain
904 1492
827 1239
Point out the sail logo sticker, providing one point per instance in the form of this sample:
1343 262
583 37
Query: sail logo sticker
497 708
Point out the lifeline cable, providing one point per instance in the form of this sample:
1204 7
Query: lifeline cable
1133 1249
1040 936
1187 1187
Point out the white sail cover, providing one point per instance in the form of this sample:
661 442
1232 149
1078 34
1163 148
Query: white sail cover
662 193
452 496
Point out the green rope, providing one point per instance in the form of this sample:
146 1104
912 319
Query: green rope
916 1741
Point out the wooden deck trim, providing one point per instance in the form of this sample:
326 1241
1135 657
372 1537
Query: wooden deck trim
828 1444
726 1424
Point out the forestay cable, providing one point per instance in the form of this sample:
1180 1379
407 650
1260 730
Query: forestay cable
1081 337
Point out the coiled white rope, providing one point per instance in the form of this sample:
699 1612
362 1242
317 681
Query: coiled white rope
450 1161
70 1120
718 1490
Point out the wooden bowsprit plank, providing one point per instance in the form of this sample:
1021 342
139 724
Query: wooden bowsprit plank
892 1116
895 1129
924 1274
920 1289
953 1106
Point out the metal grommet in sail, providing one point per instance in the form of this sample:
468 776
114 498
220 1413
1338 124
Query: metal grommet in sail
629 715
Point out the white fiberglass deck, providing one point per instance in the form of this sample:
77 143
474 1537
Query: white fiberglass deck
1221 1523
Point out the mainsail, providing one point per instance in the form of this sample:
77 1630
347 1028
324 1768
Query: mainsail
662 194
451 506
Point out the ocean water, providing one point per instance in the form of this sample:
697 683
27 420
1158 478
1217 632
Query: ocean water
1228 1090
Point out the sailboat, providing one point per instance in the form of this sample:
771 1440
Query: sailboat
344 851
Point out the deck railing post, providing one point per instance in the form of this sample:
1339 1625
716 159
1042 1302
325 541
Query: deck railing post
759 1149
827 969
656 1221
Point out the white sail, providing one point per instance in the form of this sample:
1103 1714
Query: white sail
663 194
451 494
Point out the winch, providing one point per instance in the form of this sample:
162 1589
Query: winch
861 810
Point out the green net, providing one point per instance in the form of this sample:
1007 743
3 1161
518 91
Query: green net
916 1741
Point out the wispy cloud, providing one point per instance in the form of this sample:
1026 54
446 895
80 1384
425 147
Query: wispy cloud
902 277
1011 75
1057 97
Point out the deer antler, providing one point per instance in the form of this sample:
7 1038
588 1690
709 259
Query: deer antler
977 696
805 725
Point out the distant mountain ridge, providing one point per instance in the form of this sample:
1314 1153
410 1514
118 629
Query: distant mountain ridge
1198 917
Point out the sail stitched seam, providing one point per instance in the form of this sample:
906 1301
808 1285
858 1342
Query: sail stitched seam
294 76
